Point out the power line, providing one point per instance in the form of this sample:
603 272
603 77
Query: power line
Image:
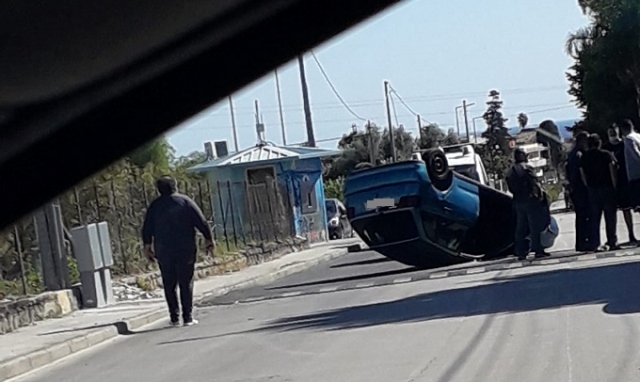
373 102
393 106
335 91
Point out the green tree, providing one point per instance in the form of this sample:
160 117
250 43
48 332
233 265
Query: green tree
405 145
496 152
430 136
523 120
451 138
158 153
605 78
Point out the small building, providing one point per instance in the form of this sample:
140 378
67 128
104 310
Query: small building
268 192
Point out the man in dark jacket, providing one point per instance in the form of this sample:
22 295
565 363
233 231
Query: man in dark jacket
528 200
599 173
585 241
624 193
168 234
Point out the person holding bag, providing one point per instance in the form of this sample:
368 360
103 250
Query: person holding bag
530 203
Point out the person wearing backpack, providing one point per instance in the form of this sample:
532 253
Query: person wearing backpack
530 206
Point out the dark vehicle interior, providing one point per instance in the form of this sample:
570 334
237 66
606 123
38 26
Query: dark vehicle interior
136 70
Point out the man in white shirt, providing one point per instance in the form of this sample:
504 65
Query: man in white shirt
632 158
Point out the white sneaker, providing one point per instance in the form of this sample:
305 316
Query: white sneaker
191 322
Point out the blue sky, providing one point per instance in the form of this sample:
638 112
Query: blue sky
435 53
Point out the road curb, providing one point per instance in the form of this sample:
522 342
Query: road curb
42 357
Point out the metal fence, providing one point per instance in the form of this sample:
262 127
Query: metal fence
252 213
239 214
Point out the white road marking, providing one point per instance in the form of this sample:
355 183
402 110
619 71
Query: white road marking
291 294
328 289
365 285
402 280
473 271
439 275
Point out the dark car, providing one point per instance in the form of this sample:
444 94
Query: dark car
422 213
337 221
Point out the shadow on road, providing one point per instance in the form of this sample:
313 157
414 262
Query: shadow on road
363 262
347 278
614 286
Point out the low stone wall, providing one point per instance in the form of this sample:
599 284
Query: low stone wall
26 311
252 255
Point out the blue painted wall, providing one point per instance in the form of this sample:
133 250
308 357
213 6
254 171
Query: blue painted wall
299 179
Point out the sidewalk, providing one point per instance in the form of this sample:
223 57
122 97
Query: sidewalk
50 340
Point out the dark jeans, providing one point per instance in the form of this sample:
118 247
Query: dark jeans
585 240
603 201
176 272
529 221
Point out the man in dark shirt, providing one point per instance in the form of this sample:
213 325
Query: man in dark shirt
598 170
169 234
528 201
580 196
624 196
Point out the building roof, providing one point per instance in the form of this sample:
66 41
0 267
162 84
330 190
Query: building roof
264 154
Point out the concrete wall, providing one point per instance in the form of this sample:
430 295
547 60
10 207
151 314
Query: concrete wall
27 311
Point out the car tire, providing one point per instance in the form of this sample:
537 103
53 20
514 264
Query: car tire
440 174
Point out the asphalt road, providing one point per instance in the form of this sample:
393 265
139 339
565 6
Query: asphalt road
569 321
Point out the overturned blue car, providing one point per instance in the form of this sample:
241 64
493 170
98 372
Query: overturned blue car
426 213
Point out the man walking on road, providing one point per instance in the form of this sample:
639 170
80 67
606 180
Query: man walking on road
585 242
598 168
528 199
168 234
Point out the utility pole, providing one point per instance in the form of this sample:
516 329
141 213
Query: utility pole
372 153
284 135
393 146
311 140
419 127
458 120
233 124
475 132
466 120
259 125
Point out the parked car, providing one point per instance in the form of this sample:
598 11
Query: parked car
423 213
337 221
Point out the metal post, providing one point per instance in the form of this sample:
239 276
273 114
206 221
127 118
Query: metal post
224 221
97 196
393 143
18 245
248 200
233 220
284 133
114 207
311 140
78 208
233 124
420 127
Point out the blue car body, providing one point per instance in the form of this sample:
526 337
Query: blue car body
400 212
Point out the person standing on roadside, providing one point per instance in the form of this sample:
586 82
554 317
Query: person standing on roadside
585 242
624 196
528 199
169 237
632 159
598 170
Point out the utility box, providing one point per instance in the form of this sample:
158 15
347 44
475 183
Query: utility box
92 246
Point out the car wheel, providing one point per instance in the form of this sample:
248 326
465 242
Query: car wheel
438 169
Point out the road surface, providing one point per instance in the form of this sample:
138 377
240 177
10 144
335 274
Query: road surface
378 321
